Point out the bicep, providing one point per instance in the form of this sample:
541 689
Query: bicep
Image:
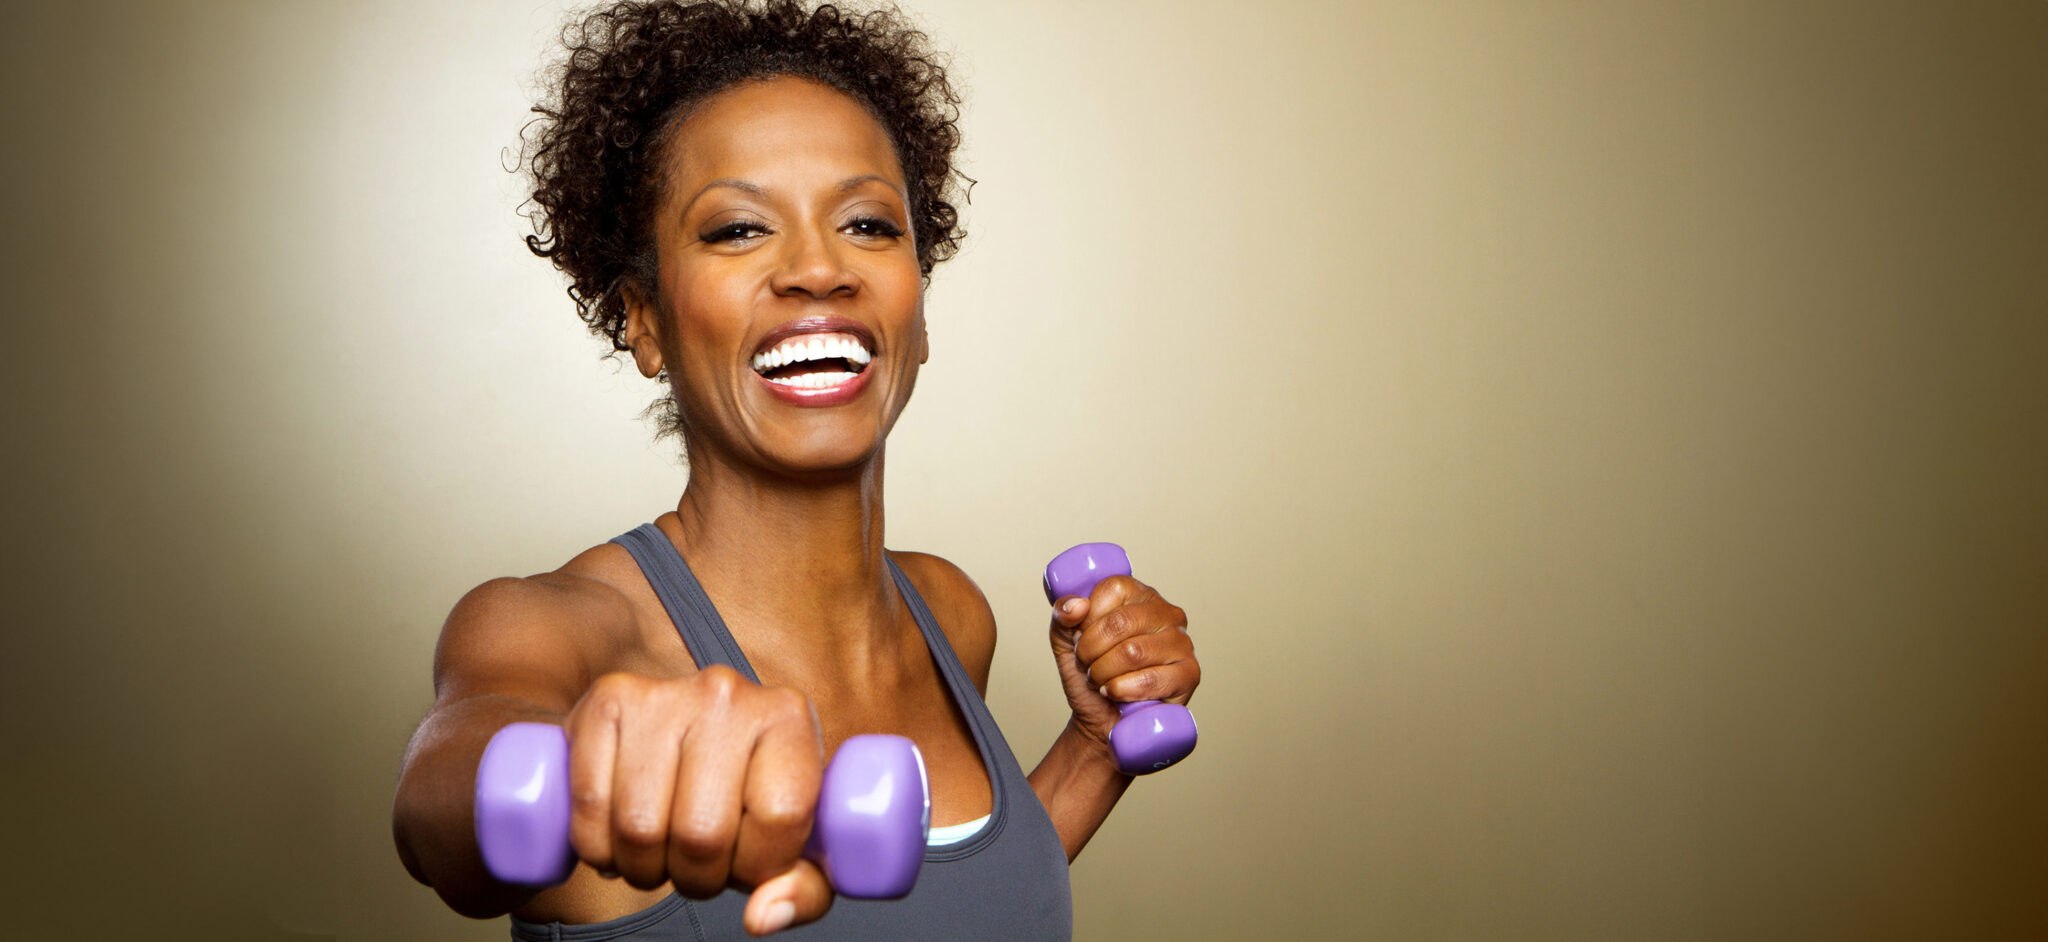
517 639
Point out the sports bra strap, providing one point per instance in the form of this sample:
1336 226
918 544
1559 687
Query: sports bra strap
695 618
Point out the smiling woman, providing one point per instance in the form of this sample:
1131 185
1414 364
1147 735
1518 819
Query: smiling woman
787 190
749 199
635 71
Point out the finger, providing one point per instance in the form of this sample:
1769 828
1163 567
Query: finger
1173 683
781 792
593 751
1069 611
1106 629
643 793
797 896
1116 591
1140 651
706 817
1063 636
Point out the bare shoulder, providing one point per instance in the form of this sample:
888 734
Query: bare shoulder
959 605
541 638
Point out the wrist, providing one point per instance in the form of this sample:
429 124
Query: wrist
1091 747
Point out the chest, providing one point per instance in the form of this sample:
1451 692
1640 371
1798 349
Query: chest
908 696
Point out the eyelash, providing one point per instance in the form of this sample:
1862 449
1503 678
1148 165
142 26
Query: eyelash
882 227
734 231
877 228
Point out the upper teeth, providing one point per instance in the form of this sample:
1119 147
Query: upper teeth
806 347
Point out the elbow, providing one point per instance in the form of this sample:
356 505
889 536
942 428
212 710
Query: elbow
474 905
400 829
452 869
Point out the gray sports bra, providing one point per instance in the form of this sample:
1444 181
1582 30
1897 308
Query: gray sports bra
1008 881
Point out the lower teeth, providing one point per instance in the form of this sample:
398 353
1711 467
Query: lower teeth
811 380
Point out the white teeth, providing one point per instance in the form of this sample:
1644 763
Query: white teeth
812 380
813 347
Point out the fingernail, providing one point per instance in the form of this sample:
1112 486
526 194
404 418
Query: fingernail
1067 607
608 874
1104 691
780 914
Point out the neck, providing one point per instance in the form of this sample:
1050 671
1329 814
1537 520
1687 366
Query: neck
795 566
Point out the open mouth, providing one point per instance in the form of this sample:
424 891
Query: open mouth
814 360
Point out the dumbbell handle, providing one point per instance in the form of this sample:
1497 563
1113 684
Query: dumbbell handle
1149 734
874 811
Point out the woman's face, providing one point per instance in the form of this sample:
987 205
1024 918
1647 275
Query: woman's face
789 308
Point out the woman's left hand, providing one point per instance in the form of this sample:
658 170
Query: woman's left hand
1121 643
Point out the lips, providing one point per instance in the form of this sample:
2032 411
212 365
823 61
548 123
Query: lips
815 361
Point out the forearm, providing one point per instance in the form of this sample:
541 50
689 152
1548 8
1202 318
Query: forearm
433 814
1078 783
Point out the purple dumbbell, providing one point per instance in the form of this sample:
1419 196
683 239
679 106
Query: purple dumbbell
874 811
1149 735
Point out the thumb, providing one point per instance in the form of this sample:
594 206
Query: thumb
798 896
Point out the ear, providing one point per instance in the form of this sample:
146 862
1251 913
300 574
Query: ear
924 344
643 329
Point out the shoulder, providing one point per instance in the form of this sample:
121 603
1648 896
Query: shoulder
543 637
962 610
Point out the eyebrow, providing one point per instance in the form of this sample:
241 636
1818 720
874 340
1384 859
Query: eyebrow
851 182
756 189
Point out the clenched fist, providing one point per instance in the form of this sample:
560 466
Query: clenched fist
705 782
1121 643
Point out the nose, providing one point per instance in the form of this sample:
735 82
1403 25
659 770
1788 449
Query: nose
814 265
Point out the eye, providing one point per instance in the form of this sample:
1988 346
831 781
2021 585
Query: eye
874 227
735 232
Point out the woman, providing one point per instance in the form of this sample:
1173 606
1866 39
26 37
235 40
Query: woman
748 200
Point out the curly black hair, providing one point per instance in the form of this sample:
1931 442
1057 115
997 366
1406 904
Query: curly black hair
634 69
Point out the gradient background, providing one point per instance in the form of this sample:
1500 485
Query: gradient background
1600 446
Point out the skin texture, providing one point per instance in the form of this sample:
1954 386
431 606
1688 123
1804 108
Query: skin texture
785 201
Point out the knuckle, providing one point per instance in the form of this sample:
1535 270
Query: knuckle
640 829
606 699
783 811
719 682
1117 623
701 836
1134 651
586 802
616 684
787 704
607 709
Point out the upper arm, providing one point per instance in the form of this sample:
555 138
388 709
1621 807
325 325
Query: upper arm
962 610
539 639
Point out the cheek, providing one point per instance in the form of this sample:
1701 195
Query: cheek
705 311
903 286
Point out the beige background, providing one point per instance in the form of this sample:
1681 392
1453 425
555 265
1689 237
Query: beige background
1601 447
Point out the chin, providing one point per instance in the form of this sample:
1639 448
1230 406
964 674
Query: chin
828 458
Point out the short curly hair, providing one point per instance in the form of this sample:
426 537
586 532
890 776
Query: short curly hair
635 69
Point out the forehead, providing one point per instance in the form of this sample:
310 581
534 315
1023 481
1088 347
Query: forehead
783 132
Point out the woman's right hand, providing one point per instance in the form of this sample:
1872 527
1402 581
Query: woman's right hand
705 782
